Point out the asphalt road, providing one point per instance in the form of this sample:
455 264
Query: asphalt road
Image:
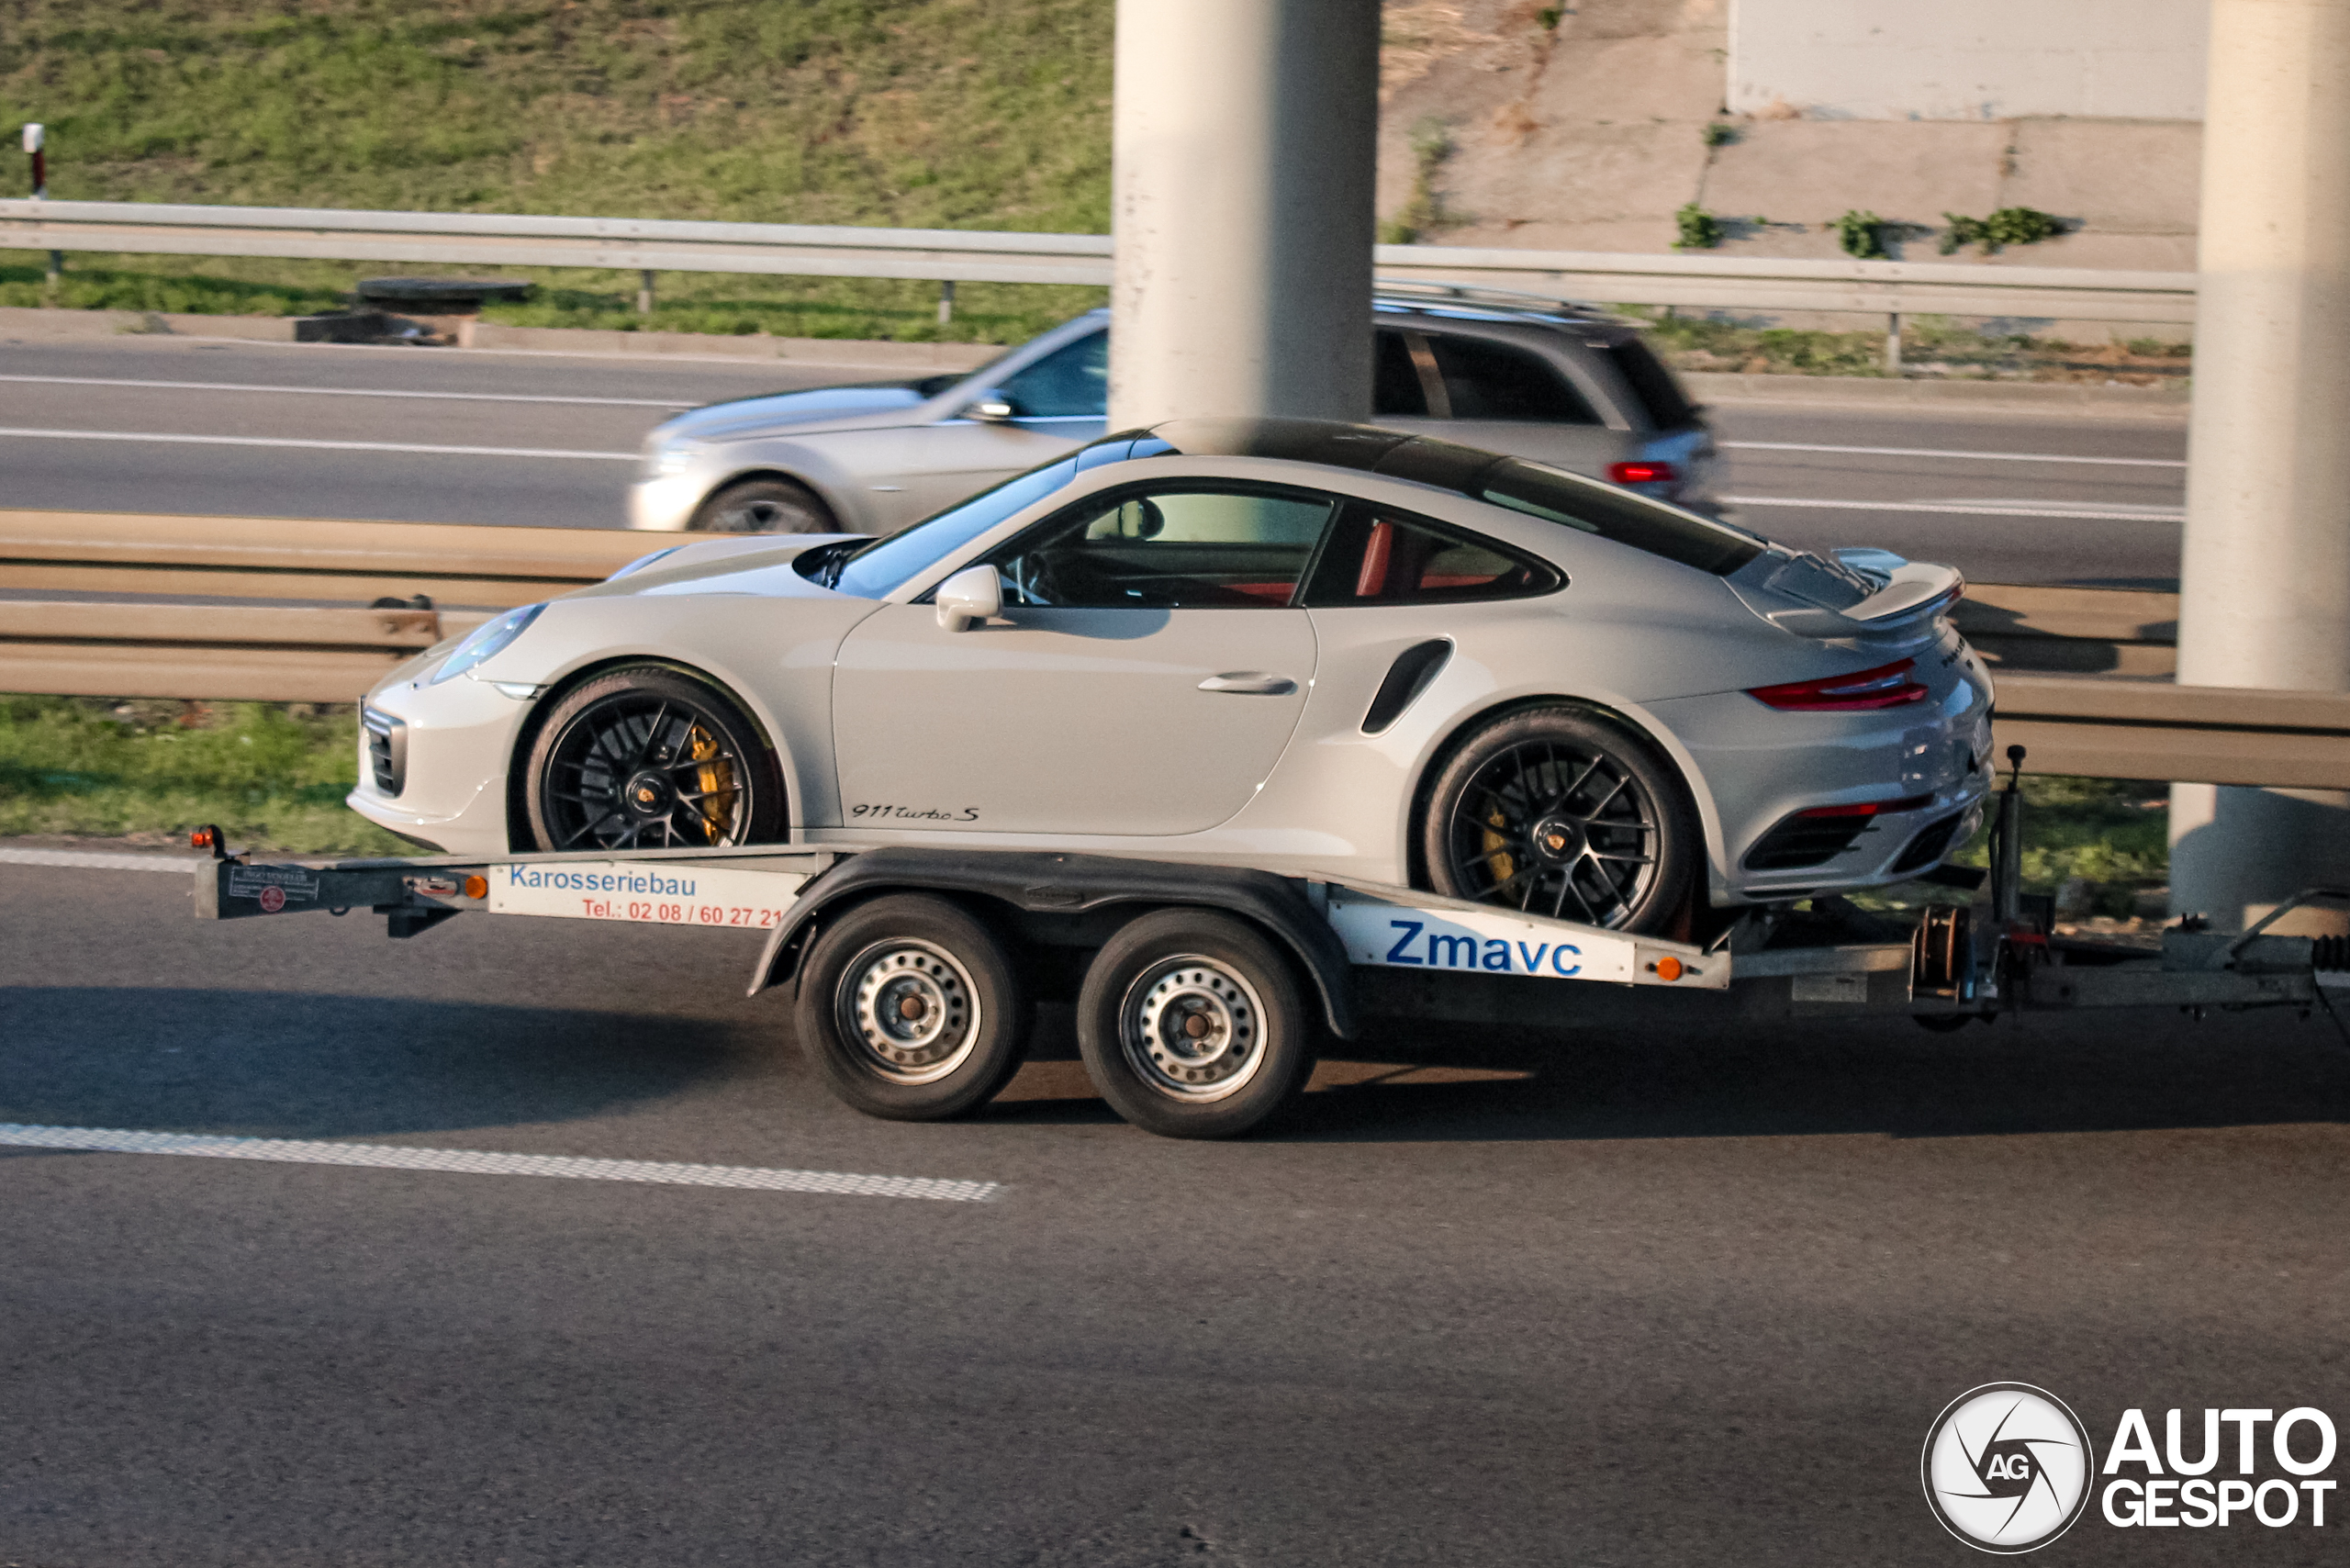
1531 1299
256 429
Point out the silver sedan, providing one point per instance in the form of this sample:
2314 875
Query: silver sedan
1532 378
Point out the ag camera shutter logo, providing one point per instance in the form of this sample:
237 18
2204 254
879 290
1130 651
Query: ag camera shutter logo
2007 1468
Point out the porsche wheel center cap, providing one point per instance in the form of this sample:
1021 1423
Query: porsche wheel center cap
1558 838
649 795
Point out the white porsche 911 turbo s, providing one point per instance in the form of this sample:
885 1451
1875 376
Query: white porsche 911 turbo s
1302 647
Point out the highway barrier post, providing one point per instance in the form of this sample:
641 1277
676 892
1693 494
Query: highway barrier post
2264 586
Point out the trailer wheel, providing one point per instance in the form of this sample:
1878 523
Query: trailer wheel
1192 1024
911 1009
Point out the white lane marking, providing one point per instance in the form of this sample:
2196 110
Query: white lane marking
388 1156
1943 452
321 445
351 391
97 861
1974 509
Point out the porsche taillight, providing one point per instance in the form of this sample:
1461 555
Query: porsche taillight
1886 686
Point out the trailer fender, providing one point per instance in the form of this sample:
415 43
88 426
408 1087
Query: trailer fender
1072 884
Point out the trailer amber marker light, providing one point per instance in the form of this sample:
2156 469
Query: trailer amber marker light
1667 967
476 887
1886 686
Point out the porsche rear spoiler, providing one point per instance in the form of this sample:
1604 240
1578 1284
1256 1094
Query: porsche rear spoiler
1914 591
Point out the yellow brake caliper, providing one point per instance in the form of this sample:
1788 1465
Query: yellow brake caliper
714 778
1502 865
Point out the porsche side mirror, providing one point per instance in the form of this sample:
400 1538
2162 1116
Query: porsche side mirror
972 595
992 407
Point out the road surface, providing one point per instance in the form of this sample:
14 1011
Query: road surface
1494 1300
425 436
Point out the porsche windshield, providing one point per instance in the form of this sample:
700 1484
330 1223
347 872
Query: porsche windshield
875 570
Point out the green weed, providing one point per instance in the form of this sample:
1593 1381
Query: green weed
1860 234
1695 229
2008 226
1423 211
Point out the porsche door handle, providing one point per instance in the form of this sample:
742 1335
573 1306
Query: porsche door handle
1250 683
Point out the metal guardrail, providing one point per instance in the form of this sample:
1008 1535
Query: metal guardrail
270 609
2030 629
1750 283
2209 734
260 609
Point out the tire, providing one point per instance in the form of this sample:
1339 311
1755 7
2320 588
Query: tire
763 506
1557 812
911 1009
647 758
1193 1024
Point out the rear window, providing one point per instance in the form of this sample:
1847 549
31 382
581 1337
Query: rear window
1559 496
1668 406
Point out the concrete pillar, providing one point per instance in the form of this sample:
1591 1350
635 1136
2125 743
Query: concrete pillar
2264 598
1244 138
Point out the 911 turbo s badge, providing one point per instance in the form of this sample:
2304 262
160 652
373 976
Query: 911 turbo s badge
885 811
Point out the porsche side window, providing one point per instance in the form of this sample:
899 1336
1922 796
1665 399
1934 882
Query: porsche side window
1167 550
1381 556
1486 380
1071 382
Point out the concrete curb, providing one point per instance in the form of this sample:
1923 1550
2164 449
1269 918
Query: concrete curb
1956 398
33 325
30 324
711 346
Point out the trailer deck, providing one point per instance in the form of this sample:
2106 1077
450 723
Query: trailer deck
1252 968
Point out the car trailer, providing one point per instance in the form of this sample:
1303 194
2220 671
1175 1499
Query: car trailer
1203 992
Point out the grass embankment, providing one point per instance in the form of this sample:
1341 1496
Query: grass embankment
273 774
952 114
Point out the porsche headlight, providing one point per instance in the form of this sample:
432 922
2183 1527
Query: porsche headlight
665 456
485 640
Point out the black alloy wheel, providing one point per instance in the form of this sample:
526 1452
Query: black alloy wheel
764 506
1558 813
647 758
